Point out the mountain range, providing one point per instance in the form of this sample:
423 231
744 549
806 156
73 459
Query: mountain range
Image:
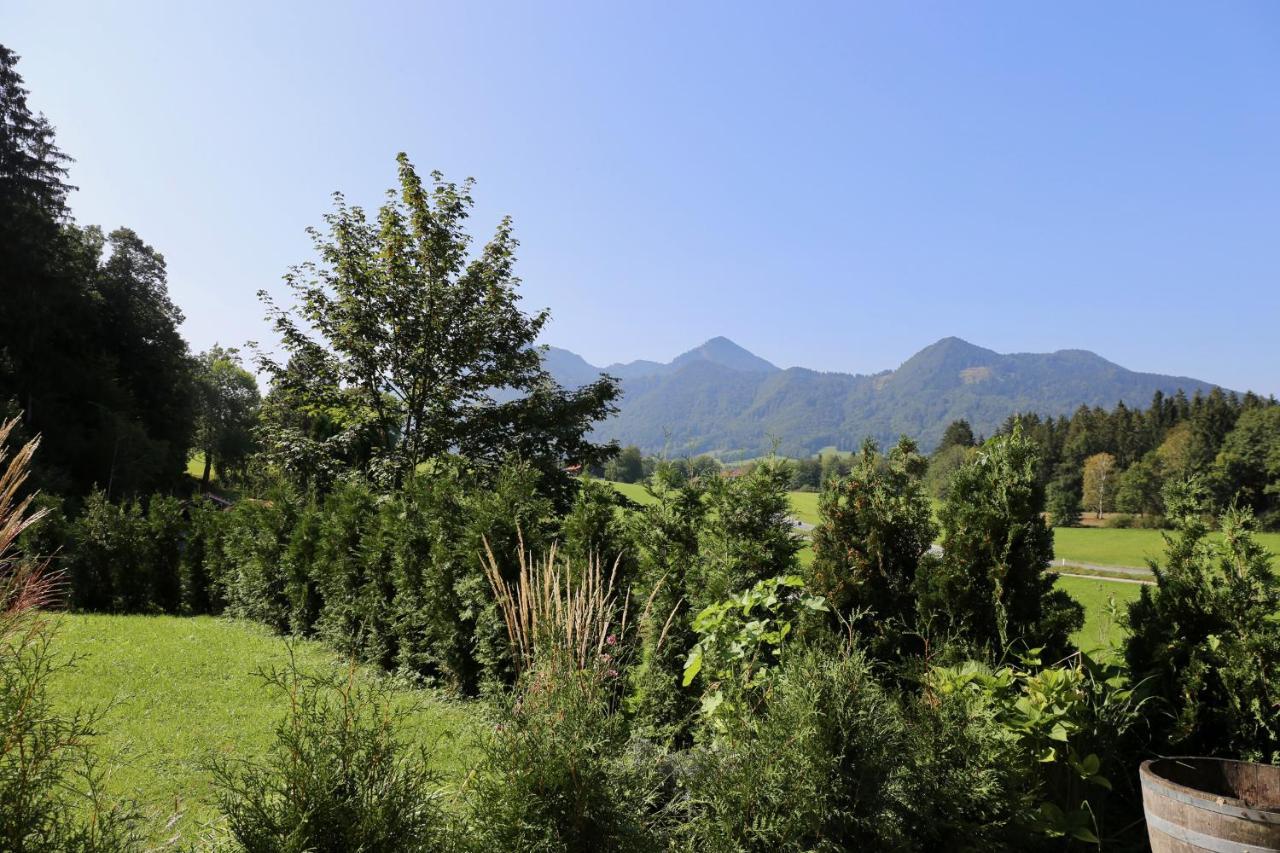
719 398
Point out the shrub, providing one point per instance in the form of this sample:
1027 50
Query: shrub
748 534
164 536
350 615
1067 726
125 559
432 637
667 534
991 586
251 576
959 788
199 556
594 529
740 642
812 766
510 515
337 778
555 773
1205 636
876 529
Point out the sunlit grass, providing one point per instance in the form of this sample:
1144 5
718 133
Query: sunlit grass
183 690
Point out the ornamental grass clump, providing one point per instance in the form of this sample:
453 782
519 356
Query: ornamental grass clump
555 609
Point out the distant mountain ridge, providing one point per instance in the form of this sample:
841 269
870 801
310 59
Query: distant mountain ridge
721 398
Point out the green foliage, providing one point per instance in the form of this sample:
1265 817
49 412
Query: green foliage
813 765
250 570
667 532
1139 488
1062 501
338 777
942 465
509 515
201 547
626 467
123 559
1066 724
740 642
991 586
555 773
957 434
1206 637
400 338
748 535
180 689
228 400
430 636
51 784
1247 467
593 527
876 530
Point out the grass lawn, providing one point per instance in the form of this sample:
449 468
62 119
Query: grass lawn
182 690
1100 632
1131 547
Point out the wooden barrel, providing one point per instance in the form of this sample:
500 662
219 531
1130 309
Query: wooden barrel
1195 804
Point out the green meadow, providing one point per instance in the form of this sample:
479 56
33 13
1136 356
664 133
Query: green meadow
180 691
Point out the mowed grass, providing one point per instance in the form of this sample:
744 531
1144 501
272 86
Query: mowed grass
1125 547
181 691
1101 633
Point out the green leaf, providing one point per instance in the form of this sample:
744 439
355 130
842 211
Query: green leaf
1083 833
692 665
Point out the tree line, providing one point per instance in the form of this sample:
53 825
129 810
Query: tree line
1121 460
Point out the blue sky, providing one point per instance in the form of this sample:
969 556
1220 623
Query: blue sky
833 186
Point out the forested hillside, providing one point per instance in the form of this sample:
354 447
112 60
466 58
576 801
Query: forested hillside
719 398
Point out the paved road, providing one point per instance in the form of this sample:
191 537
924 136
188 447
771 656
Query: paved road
1108 580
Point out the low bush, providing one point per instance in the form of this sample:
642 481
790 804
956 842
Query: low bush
1205 637
811 765
338 776
556 774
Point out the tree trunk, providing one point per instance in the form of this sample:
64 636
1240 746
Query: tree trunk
208 468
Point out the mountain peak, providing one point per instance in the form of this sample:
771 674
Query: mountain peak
724 352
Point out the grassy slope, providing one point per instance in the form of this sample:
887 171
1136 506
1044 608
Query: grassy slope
182 690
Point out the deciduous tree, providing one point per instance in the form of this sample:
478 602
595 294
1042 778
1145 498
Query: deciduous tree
423 345
1099 482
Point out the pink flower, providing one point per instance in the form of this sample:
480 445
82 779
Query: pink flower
613 673
611 640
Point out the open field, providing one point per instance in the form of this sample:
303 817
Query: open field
1100 631
182 690
1130 547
